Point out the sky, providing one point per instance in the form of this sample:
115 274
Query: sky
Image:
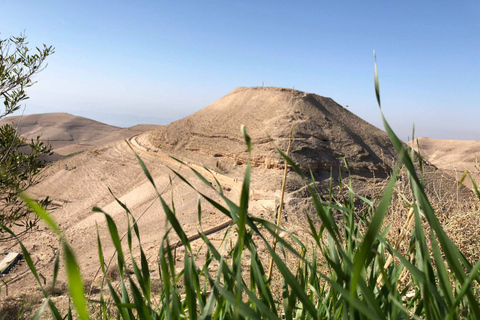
131 62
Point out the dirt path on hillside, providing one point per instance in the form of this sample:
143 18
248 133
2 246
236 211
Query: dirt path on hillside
78 183
223 179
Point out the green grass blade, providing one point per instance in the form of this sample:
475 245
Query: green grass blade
175 224
377 84
112 228
327 220
41 310
56 266
404 311
354 301
475 187
242 308
100 251
118 302
444 281
372 231
42 213
143 166
263 308
199 212
119 202
140 306
292 282
190 295
466 287
75 283
126 298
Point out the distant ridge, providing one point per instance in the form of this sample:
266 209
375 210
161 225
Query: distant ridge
68 133
452 156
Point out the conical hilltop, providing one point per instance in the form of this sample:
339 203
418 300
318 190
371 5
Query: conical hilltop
324 133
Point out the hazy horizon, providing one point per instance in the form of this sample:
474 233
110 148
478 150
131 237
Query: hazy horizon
156 62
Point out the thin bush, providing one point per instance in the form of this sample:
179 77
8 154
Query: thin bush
361 277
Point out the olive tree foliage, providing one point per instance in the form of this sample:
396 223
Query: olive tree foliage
20 160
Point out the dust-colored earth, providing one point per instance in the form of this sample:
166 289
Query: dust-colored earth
452 156
69 134
325 135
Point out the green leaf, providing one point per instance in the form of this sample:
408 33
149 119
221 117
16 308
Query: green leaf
462 179
377 84
372 231
293 283
100 251
75 283
56 266
466 287
140 306
42 213
352 300
39 313
143 166
112 228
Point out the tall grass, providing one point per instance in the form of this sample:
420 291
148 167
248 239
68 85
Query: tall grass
351 272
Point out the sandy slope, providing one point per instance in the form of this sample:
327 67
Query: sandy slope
78 183
81 182
69 134
452 156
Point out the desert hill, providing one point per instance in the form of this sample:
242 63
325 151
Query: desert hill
69 134
324 133
452 156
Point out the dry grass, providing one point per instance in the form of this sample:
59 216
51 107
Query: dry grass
21 307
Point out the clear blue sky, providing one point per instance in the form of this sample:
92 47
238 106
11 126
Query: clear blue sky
129 62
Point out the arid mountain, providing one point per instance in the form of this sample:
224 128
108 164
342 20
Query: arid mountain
325 135
324 132
69 134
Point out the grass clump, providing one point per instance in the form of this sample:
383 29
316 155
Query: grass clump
349 269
